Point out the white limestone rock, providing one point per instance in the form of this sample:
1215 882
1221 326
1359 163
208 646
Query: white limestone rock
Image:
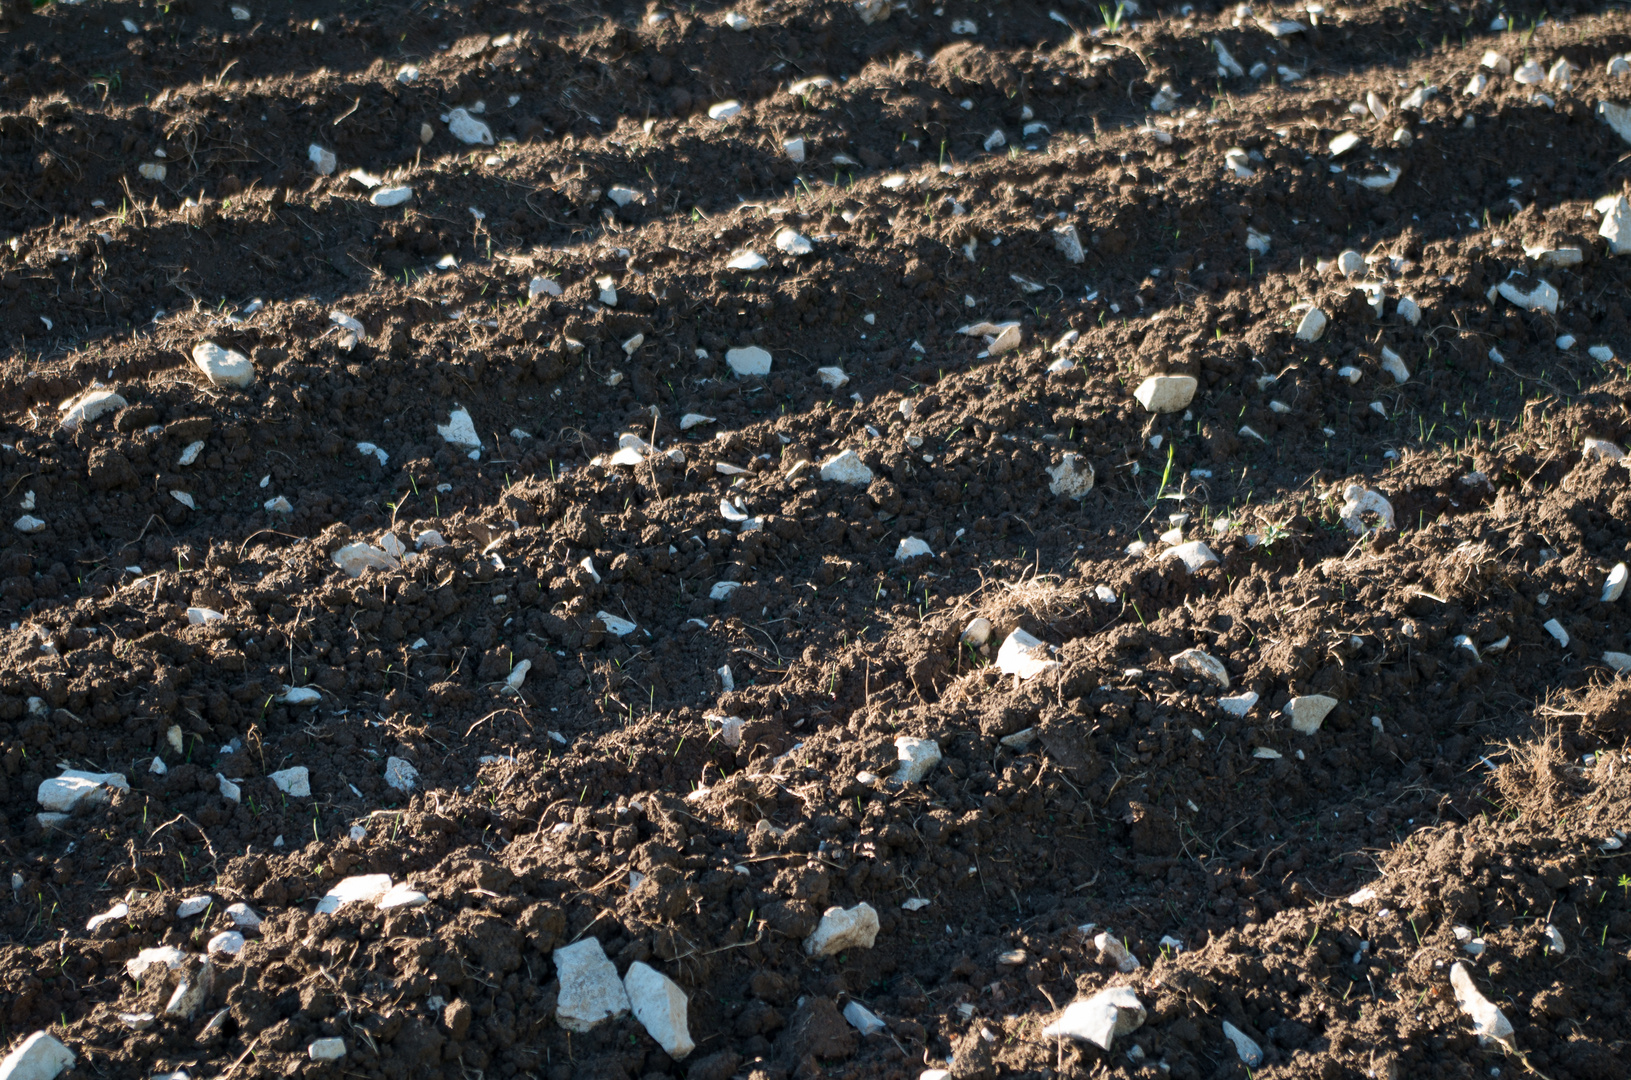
1312 326
843 928
400 775
660 1006
223 367
846 468
917 758
39 1057
357 889
1308 712
1072 478
748 361
357 557
89 406
294 781
590 990
1202 665
912 547
1024 656
1194 554
468 130
1099 1019
1487 1019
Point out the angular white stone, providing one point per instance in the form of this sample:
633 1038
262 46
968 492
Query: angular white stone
200 616
792 242
113 914
1069 243
843 928
1240 704
28 524
1194 554
358 889
750 360
660 1006
1393 364
191 992
468 130
229 790
863 1019
300 695
1487 1019
1614 587
1312 326
223 367
977 632
460 430
88 406
168 955
60 794
1112 949
1166 393
1246 1048
1024 656
328 1049
1619 661
1409 310
1531 294
542 286
724 110
152 170
1011 338
1113 1011
832 377
226 943
917 758
400 775
911 548
1308 712
401 895
194 905
1202 665
1616 227
618 627
357 557
38 1057
391 196
321 160
590 989
1601 448
295 781
747 260
794 149
1560 635
846 468
243 916
278 504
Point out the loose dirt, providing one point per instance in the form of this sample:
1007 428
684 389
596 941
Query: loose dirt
696 791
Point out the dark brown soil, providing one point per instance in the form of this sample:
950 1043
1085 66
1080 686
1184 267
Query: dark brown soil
1466 791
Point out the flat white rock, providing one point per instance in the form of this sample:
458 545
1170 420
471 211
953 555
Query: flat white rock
1166 393
846 468
691 420
1072 478
357 889
226 943
460 430
331 1048
88 406
391 196
357 557
1393 364
39 1057
200 616
1113 1011
113 914
1616 227
1024 656
832 377
792 242
614 625
746 260
1359 502
843 928
750 360
400 775
1308 712
590 989
1312 326
401 895
28 524
917 758
468 130
243 916
1111 948
1560 635
1409 310
61 794
1246 1048
223 367
1614 587
1193 554
321 160
1617 117
863 1019
295 781
660 1006
911 548
194 905
168 955
724 110
1601 448
1069 243
300 695
1531 294
1202 665
1240 704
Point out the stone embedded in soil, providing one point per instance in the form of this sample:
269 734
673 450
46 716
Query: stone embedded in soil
1203 666
243 916
39 1057
846 468
1309 711
1616 227
1312 326
912 547
223 367
724 110
1614 587
168 955
1024 656
1360 502
1617 117
468 130
1393 364
61 794
401 895
1111 949
360 556
748 361
300 695
517 676
295 781
1600 448
746 260
917 758
400 775
916 903
1194 554
1069 243
113 914
832 377
1099 1019
616 625
192 991
28 525
977 632
1011 338
1166 393
229 790
331 1048
194 905
460 430
1246 1048
1487 1019
1072 478
863 1019
203 616
88 407
1529 293
1560 635
590 990
226 943
792 242
660 1006
843 928
357 889
1409 310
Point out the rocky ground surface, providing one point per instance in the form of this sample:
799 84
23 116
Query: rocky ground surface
814 539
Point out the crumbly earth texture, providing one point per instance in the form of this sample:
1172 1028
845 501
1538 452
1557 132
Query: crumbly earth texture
623 660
